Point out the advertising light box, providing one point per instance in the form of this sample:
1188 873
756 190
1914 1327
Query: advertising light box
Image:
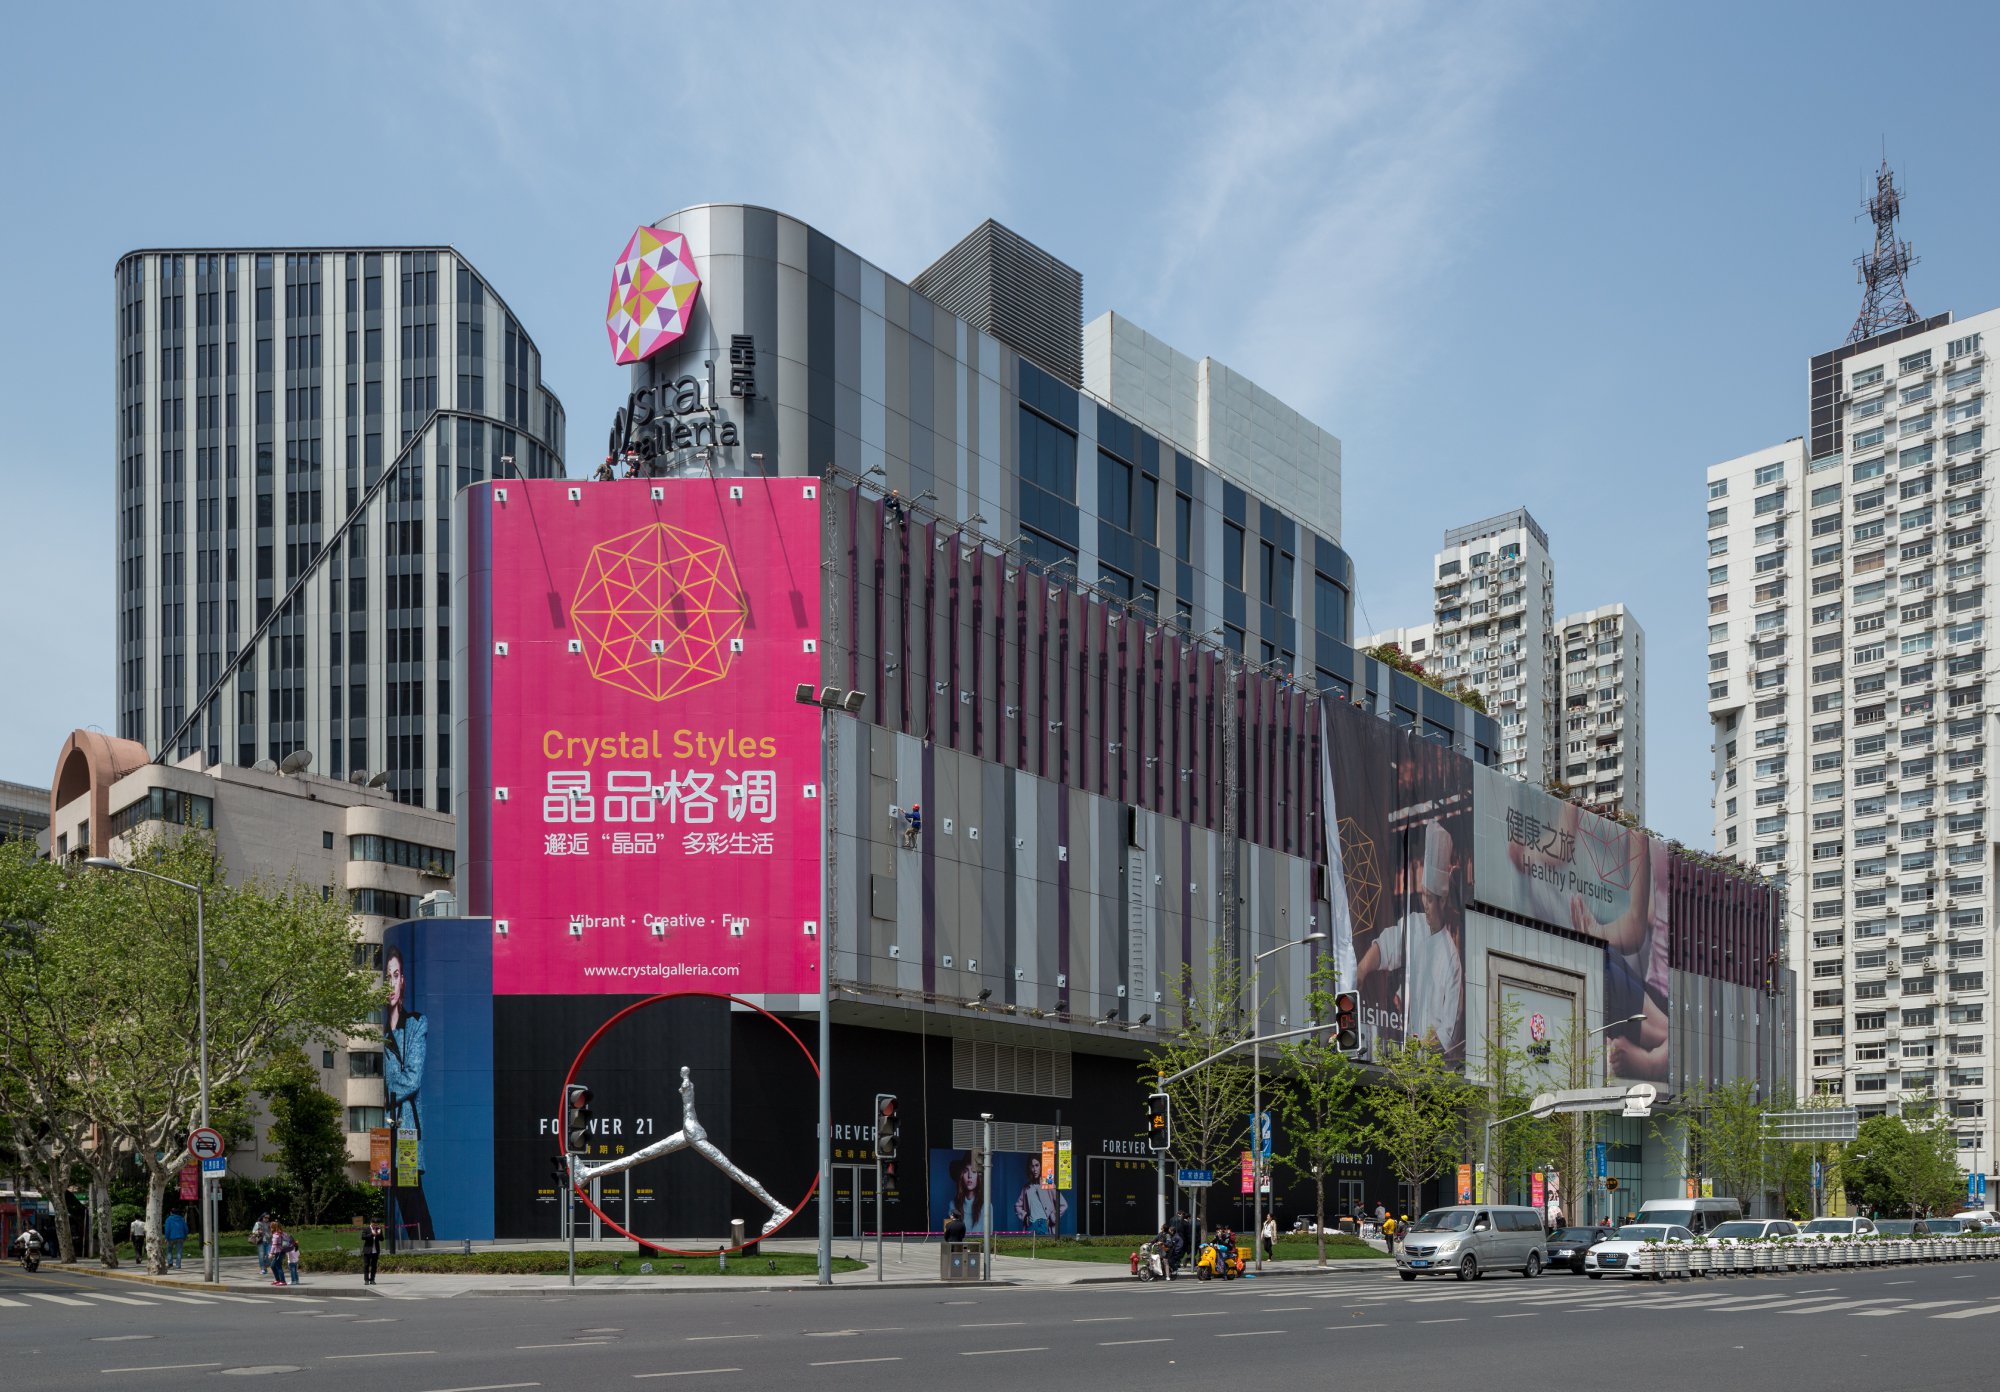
643 782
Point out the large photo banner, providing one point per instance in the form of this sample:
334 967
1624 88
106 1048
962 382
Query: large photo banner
1550 860
1021 1201
654 813
1400 851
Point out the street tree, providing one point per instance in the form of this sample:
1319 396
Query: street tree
1420 1103
1903 1165
1210 1106
1724 1130
308 1133
112 994
1320 1100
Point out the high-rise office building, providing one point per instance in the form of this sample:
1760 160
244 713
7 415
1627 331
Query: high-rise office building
1602 735
1847 693
292 426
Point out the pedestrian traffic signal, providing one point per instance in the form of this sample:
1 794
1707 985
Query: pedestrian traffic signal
576 1124
885 1126
559 1170
1346 1022
1159 1124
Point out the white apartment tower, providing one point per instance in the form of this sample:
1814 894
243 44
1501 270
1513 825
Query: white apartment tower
1602 653
1847 692
1494 630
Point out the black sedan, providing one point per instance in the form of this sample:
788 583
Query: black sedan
1566 1246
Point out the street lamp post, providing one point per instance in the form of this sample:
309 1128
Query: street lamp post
208 1252
830 700
1257 1086
1591 1204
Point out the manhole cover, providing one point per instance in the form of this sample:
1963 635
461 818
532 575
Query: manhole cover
259 1369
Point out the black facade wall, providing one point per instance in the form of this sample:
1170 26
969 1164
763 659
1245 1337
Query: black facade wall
756 1096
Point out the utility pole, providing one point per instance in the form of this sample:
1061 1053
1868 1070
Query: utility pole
986 1193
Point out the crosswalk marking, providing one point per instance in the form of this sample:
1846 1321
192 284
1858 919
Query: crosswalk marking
118 1299
17 1304
1969 1314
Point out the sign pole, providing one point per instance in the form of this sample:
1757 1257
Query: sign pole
878 1218
825 1010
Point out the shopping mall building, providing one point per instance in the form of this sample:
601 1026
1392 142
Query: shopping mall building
1109 731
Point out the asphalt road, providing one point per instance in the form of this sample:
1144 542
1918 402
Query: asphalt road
1933 1327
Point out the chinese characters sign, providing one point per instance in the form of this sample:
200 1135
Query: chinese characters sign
652 803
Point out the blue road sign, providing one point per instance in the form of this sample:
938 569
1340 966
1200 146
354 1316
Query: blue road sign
1603 1159
1192 1178
214 1164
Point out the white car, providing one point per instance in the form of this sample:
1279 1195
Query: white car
1837 1229
1614 1256
1752 1229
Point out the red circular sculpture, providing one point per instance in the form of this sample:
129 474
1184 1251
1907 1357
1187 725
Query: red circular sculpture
562 1115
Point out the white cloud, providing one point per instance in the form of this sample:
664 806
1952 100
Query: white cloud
1343 164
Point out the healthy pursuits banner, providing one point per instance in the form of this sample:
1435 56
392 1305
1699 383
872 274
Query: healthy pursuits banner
1549 860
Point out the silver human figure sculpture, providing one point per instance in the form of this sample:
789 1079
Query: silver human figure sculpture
691 1135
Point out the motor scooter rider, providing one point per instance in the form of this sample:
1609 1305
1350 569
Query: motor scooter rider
28 1247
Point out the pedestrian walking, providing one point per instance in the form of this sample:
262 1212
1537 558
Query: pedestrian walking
1380 1214
282 1244
175 1231
1270 1236
371 1250
292 1258
260 1233
138 1239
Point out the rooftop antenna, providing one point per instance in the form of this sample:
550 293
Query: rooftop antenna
1885 303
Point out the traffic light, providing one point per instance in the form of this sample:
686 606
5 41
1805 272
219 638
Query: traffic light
559 1170
1346 1022
576 1124
1159 1124
885 1126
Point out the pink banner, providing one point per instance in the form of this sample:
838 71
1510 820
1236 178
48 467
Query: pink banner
1539 1198
190 1183
654 800
1249 1170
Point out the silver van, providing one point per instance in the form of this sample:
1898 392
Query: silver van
1696 1215
1468 1240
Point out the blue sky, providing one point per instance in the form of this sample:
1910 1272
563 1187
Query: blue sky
1561 255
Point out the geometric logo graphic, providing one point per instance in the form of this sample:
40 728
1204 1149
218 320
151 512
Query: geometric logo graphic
653 287
656 610
1364 873
1615 853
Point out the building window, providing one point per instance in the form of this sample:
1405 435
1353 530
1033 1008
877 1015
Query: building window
364 1064
387 850
1232 555
364 1118
1048 456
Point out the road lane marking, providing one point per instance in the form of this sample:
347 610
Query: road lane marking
1105 1319
489 1387
1969 1314
996 1324
197 1300
57 1299
1459 1320
1357 1326
1249 1333
118 1299
17 1304
843 1362
1284 1309
386 1353
567 1343
1123 1343
1525 1314
710 1338
982 1353
160 1368
688 1372
1899 1283
1934 1304
1195 1314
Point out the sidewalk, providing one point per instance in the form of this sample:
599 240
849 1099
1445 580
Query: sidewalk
904 1264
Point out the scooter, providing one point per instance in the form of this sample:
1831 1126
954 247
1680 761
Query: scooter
31 1259
1150 1262
1219 1258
